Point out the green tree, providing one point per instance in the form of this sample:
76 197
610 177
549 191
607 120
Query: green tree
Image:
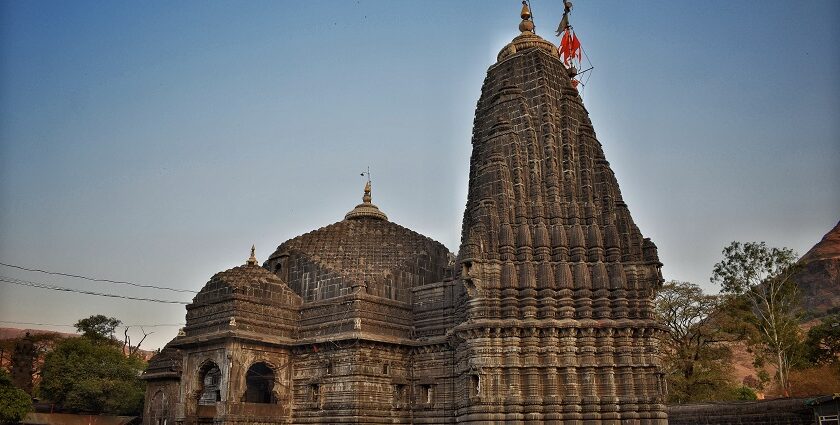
14 402
695 358
762 276
92 375
98 327
822 344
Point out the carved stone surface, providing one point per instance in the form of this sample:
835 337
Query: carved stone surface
545 316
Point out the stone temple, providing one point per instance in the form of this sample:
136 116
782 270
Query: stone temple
544 317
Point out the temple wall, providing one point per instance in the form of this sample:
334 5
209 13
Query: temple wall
764 412
162 402
352 382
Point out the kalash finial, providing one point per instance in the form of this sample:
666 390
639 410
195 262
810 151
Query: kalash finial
366 209
527 24
366 197
252 260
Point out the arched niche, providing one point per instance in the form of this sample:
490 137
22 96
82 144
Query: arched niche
158 409
259 384
210 380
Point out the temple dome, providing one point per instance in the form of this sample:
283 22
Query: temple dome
364 250
239 299
248 279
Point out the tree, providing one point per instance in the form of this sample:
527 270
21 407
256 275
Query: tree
43 343
92 375
98 327
762 276
696 361
822 344
14 402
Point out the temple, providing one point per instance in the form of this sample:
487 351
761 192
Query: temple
544 316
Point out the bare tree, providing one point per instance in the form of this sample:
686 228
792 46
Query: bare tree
127 347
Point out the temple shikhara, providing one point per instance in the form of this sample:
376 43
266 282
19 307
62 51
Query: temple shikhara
544 316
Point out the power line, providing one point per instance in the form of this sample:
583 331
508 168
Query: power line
72 326
80 291
93 279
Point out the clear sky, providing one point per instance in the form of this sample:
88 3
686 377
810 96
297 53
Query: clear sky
155 141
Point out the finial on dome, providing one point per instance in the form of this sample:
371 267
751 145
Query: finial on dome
366 197
366 209
527 24
252 260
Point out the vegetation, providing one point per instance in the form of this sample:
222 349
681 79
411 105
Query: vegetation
756 310
14 402
762 277
43 343
98 327
822 345
696 363
91 373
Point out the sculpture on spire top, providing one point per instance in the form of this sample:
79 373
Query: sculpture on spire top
252 260
527 24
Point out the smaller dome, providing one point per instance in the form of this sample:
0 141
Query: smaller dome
366 209
249 279
247 299
240 279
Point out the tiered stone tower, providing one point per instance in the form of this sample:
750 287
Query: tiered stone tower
557 322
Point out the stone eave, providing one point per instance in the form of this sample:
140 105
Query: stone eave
192 341
159 376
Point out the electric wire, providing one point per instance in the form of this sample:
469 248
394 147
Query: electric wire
72 326
20 282
93 279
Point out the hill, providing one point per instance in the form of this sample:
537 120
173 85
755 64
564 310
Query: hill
819 277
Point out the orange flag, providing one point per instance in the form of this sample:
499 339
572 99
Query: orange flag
575 46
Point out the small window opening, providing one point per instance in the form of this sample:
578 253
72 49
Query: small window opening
314 393
426 393
386 368
399 393
330 368
475 385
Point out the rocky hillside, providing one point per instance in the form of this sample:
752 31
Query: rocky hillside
819 278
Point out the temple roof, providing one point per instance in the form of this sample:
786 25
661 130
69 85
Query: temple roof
164 364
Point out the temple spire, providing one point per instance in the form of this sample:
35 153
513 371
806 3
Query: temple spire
252 260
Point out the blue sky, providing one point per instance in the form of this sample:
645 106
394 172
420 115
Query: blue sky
156 141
